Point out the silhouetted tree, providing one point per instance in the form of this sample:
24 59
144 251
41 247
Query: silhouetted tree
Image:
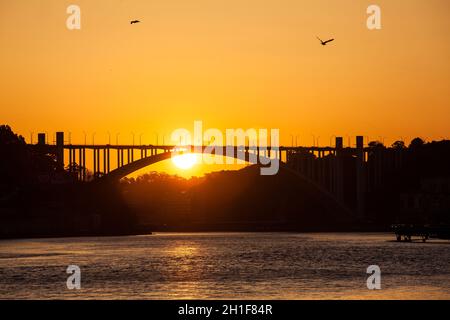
19 164
399 145
8 137
14 164
416 143
376 144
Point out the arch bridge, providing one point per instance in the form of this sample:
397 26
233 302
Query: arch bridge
321 167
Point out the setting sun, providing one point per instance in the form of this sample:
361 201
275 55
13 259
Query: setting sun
185 161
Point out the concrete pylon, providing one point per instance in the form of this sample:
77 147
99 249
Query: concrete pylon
360 177
60 150
41 139
339 169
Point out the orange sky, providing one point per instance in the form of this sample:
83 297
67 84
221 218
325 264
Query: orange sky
233 63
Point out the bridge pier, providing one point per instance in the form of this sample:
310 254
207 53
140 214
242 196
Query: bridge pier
109 160
99 169
338 169
104 161
360 176
70 160
41 139
80 174
330 172
60 150
95 161
84 163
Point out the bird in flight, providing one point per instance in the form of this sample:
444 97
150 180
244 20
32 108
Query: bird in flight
324 42
134 21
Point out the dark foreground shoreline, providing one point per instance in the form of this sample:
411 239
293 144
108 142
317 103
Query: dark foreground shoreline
216 229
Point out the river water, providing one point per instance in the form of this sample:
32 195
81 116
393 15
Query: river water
225 266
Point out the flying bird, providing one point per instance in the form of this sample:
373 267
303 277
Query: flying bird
324 42
134 21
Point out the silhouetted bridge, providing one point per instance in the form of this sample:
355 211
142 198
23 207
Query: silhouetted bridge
322 167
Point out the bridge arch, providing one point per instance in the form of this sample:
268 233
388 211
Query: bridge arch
131 167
